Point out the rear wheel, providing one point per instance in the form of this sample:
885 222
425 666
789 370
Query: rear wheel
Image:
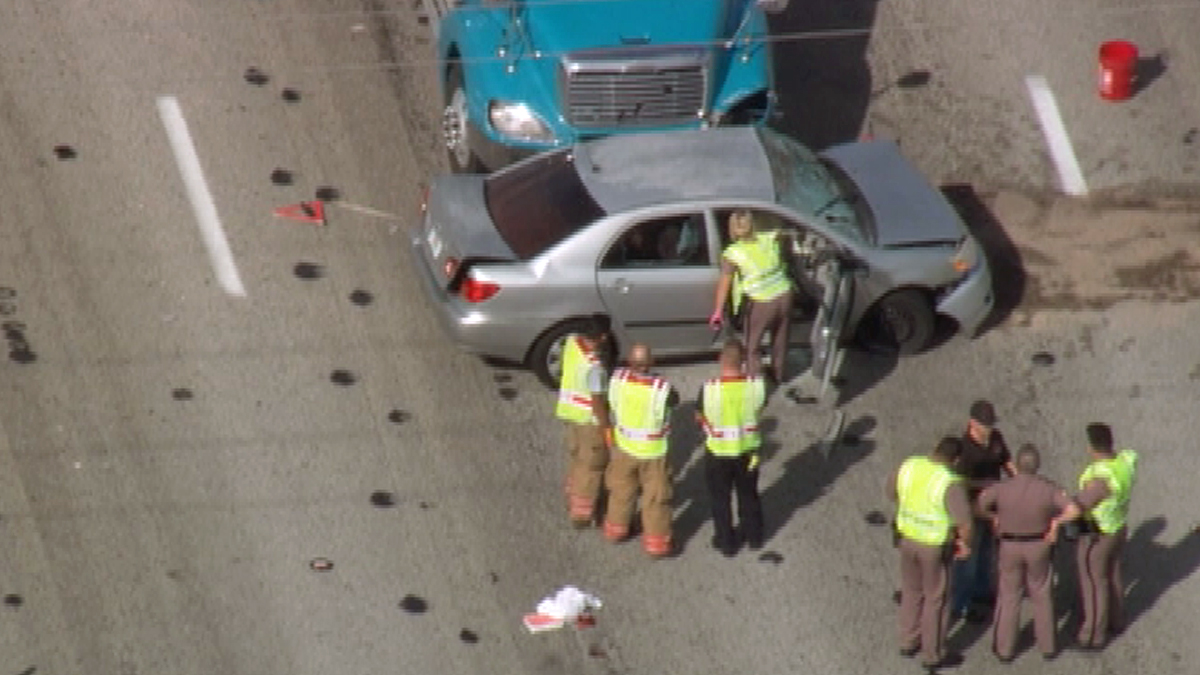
545 358
456 123
902 322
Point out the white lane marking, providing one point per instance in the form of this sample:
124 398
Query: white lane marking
203 206
1055 132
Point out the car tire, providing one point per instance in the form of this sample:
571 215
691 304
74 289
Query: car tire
545 357
455 124
902 323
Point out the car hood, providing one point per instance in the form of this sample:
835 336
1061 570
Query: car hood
907 210
560 26
459 221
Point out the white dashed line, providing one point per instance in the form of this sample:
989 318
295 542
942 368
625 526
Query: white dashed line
1061 151
203 205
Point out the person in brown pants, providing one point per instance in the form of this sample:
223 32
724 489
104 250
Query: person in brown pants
1103 499
583 407
934 522
758 262
640 403
1022 509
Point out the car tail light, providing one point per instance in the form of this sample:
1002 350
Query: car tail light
424 197
450 267
474 290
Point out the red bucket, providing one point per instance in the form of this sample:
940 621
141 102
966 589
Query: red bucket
1118 69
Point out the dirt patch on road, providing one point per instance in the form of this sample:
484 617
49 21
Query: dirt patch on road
1074 256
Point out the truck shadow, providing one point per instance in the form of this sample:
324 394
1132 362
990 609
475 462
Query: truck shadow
821 71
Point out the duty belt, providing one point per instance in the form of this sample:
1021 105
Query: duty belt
1023 537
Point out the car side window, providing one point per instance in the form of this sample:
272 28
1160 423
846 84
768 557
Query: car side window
673 241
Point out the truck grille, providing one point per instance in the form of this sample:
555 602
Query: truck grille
634 89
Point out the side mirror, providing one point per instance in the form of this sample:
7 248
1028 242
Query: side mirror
772 6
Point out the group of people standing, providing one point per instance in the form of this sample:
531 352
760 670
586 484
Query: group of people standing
618 426
617 434
977 525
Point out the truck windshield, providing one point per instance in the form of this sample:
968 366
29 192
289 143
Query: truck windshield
539 202
804 184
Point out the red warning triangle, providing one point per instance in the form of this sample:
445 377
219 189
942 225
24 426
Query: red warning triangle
306 212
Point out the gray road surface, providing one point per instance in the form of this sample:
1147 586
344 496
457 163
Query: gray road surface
172 457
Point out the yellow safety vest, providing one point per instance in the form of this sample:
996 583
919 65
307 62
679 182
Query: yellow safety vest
761 273
574 395
921 487
730 414
1118 473
639 404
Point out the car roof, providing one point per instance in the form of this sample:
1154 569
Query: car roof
628 171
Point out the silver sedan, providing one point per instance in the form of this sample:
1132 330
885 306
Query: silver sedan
632 227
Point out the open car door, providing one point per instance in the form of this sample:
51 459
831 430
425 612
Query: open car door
836 276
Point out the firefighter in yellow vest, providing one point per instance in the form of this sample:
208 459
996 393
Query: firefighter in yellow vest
934 523
583 406
755 261
1103 499
728 410
641 403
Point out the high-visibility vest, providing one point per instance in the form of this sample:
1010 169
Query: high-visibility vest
761 273
921 487
574 395
639 406
730 414
1118 473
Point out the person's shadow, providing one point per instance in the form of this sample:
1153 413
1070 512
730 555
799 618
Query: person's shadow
1151 568
807 474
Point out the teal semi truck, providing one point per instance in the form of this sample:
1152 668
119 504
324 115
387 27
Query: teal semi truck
524 76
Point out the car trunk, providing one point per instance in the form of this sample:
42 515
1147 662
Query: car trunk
458 230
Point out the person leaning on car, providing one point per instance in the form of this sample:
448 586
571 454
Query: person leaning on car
762 277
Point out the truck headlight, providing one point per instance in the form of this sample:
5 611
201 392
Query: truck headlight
516 120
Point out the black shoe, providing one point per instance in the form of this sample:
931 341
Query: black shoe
754 544
896 597
1049 656
909 652
726 548
950 660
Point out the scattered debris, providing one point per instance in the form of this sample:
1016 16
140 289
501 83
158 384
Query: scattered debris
567 604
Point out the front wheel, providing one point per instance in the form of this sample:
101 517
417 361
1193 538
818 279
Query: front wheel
455 125
902 323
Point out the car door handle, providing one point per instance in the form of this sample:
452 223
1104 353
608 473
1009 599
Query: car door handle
621 285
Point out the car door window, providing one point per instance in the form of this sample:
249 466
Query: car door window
673 241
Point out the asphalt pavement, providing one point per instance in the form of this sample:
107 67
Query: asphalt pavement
304 478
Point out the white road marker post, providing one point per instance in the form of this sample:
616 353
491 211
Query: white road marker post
1061 151
203 206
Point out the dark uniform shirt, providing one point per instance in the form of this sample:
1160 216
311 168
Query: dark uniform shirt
981 465
1023 504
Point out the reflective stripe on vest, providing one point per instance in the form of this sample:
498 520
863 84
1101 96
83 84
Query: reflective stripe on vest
760 267
730 415
1118 474
921 487
639 404
574 395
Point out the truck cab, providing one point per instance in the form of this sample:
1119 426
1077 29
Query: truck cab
524 76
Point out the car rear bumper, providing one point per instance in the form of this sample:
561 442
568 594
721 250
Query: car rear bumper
468 328
970 302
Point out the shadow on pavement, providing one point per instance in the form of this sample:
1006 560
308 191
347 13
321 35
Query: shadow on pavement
823 80
1147 70
1151 569
1003 257
807 474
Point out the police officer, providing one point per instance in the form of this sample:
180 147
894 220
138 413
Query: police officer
640 402
985 459
728 409
583 406
1104 490
934 522
1023 508
762 276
